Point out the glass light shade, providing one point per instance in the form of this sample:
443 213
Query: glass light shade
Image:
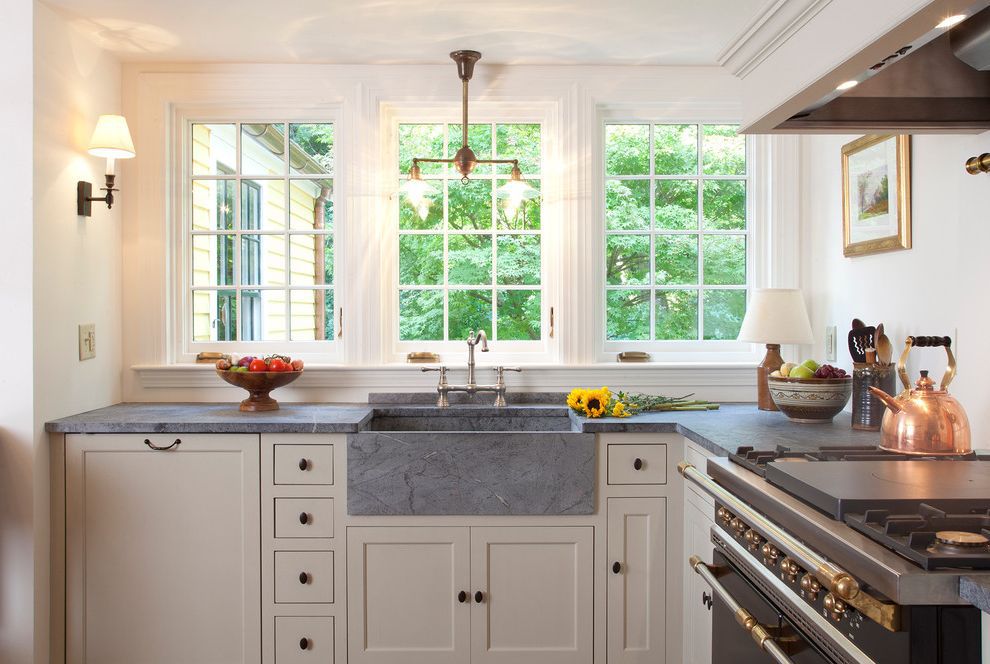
415 190
519 190
111 138
776 316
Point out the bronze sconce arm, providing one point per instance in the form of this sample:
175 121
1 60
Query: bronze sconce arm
85 198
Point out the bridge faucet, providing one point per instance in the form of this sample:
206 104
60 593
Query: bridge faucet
472 341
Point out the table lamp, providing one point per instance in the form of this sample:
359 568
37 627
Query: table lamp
774 316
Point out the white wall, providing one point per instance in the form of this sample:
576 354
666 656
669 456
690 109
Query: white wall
935 288
17 428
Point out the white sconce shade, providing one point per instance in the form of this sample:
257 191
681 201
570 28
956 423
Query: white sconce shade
111 138
776 316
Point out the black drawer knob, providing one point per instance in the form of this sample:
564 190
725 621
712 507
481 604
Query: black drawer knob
304 643
303 577
303 518
462 597
638 464
616 567
479 597
303 464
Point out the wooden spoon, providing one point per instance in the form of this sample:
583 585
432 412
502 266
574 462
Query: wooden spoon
885 350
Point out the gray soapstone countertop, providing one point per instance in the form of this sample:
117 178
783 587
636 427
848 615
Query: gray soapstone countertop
976 591
720 431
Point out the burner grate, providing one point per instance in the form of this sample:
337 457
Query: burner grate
931 537
757 460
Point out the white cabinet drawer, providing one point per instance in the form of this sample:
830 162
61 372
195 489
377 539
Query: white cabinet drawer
304 577
303 640
637 464
303 464
304 517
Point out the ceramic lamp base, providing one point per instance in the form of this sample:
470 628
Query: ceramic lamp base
771 362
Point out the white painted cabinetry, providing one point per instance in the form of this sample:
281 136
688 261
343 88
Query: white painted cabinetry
161 549
699 517
501 594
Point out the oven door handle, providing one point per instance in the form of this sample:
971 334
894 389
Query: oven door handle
758 632
836 580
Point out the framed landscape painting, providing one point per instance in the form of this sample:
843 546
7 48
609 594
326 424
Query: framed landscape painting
876 195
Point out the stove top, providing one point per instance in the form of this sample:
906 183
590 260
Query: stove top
936 515
929 536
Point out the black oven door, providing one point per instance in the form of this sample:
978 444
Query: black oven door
732 644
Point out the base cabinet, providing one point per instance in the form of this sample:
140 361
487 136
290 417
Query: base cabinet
516 595
636 582
161 549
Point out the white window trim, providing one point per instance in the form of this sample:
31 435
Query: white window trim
544 351
760 240
181 347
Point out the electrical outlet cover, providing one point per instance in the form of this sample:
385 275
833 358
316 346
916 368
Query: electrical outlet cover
87 341
830 343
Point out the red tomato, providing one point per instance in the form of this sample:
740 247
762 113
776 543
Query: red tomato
278 364
257 364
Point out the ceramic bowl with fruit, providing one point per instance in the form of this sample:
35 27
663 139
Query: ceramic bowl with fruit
259 376
809 392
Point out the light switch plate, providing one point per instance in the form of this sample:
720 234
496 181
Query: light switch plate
87 341
830 350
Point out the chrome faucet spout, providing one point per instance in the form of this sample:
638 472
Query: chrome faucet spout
472 341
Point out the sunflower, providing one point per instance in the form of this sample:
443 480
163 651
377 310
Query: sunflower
620 410
596 402
576 399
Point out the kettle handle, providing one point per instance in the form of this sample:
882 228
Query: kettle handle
927 342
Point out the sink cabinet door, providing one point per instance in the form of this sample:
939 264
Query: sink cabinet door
536 605
636 592
403 585
162 555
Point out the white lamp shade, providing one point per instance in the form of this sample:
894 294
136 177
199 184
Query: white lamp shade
776 316
111 138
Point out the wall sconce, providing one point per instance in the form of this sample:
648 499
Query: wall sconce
112 140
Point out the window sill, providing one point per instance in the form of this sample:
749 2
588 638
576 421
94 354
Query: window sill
535 377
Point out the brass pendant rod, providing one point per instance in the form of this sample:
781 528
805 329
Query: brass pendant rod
417 160
464 113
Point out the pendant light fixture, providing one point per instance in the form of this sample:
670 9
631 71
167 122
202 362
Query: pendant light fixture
417 190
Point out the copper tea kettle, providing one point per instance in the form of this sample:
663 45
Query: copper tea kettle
924 420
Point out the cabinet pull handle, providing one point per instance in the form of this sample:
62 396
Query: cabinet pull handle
303 518
616 567
303 464
303 578
304 643
638 464
158 448
462 597
479 597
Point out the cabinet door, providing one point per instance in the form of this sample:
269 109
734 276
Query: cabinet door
162 549
403 585
536 604
697 613
636 604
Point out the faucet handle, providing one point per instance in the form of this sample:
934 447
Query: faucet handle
501 369
442 369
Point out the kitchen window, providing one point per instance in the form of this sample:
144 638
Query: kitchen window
259 198
678 246
467 259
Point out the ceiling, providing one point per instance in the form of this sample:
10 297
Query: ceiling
620 32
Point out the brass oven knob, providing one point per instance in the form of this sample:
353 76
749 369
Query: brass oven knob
770 553
752 537
724 515
738 526
790 569
811 586
836 607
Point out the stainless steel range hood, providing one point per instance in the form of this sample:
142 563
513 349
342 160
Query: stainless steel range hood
937 83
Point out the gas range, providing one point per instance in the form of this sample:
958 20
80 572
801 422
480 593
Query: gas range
862 551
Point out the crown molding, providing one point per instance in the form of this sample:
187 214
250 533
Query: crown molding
775 23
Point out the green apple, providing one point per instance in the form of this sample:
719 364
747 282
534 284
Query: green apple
802 371
811 365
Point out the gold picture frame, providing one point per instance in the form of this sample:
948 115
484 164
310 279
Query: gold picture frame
875 218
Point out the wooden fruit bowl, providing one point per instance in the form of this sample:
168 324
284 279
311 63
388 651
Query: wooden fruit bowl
259 384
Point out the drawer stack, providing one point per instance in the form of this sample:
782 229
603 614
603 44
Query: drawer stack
301 579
